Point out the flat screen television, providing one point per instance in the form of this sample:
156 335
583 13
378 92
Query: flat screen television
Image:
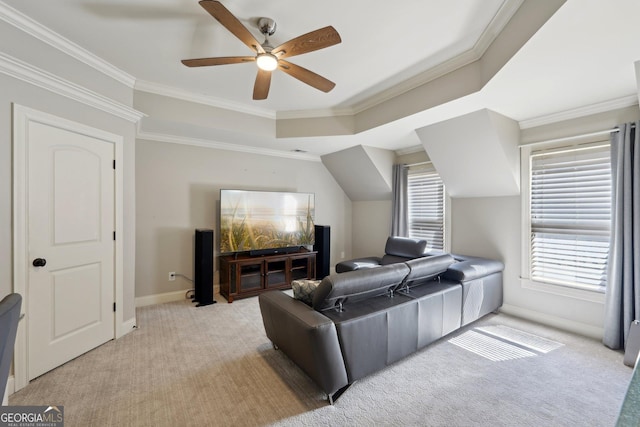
263 221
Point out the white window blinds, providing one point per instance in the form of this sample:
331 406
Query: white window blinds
571 215
426 206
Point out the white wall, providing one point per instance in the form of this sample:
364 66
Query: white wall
371 227
372 219
364 173
14 90
490 227
178 190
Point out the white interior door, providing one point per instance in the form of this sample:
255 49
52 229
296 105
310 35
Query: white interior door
71 189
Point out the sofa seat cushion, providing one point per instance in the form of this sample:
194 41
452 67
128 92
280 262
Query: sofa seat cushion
340 289
357 264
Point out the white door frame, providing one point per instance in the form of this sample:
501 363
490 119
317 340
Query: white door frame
22 116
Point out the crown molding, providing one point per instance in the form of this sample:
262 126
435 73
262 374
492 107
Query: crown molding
587 110
28 73
497 24
205 143
46 35
312 114
416 81
504 14
173 92
35 29
390 93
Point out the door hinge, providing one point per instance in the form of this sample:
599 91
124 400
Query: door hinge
114 235
114 164
114 307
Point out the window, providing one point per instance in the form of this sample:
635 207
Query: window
426 205
570 215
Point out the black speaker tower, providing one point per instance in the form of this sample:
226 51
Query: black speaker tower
322 246
203 268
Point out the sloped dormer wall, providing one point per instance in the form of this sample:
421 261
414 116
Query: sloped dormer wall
476 154
364 173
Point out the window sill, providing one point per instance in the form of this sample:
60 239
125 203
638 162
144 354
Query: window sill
565 291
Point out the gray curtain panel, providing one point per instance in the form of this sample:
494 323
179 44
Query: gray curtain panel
623 280
399 202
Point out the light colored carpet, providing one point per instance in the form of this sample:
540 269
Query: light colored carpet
214 366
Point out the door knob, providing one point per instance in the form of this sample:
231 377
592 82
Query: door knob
39 262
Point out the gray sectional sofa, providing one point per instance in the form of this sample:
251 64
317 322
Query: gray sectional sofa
377 312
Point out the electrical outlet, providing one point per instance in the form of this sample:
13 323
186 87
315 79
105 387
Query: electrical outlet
342 255
172 276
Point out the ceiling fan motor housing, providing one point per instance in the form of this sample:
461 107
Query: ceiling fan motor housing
267 26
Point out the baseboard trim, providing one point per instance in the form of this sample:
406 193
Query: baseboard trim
167 297
554 321
128 326
160 298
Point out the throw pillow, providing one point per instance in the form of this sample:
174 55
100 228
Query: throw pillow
303 290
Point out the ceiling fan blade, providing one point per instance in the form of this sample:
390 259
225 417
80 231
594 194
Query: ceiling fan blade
261 87
315 40
306 76
223 60
231 23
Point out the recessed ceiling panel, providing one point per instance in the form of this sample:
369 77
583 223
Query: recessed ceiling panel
382 43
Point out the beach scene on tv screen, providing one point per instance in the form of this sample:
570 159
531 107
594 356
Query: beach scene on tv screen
253 220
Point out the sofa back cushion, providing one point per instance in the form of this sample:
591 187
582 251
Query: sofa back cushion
424 269
352 286
405 247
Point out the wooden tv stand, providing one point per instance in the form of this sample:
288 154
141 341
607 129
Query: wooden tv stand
244 275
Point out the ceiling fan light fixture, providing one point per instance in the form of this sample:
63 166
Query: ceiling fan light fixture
267 57
267 61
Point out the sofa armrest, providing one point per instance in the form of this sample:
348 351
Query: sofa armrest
306 336
470 268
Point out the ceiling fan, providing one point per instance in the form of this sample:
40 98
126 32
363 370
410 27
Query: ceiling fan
269 58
